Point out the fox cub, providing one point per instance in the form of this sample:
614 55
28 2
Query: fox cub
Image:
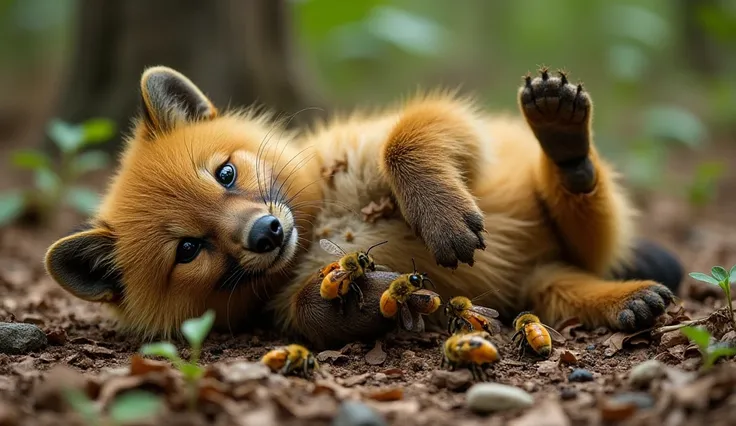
225 210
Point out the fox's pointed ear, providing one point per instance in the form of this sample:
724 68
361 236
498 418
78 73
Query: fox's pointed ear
170 98
83 263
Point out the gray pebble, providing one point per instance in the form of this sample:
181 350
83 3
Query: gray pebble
353 413
19 338
488 397
590 348
643 374
641 400
580 375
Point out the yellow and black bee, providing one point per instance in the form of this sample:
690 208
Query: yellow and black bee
407 296
462 314
533 333
339 277
473 350
291 360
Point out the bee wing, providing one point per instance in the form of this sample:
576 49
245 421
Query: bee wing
331 247
495 326
420 322
486 312
557 337
406 317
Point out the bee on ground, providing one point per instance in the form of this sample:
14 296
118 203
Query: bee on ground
462 314
533 333
473 350
339 276
292 359
407 296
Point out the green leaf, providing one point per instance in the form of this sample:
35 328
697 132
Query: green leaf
82 199
196 329
418 35
79 401
11 206
30 159
191 371
719 273
677 124
704 278
163 349
47 181
135 405
97 130
732 274
90 161
67 137
697 335
720 351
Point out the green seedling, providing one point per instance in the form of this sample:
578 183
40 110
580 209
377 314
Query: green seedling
709 352
195 330
723 279
55 182
132 406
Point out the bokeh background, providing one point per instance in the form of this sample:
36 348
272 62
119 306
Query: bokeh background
661 73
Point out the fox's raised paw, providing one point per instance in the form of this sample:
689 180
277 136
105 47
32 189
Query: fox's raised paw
643 307
558 113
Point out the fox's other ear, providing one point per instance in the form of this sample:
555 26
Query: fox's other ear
170 98
83 263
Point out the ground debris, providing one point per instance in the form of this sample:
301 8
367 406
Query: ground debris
376 356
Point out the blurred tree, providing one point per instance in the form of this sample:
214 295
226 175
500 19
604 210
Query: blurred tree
237 52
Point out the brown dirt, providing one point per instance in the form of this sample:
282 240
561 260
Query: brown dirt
406 387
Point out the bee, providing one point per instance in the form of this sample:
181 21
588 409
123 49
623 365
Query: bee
339 277
292 359
533 333
473 350
407 296
462 314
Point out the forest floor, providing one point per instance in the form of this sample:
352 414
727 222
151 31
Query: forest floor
401 379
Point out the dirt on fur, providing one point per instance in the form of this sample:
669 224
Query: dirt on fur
399 377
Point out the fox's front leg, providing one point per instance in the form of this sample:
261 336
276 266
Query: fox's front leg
428 160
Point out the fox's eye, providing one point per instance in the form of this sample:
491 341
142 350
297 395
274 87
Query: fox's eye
188 250
226 175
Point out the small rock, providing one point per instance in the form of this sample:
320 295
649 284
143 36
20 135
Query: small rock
568 393
623 406
590 348
580 375
644 373
729 338
671 339
380 377
20 338
458 380
96 352
487 397
568 357
354 413
358 379
547 367
529 386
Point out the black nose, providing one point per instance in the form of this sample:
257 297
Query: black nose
266 235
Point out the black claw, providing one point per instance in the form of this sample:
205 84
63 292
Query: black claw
545 74
528 80
580 88
563 76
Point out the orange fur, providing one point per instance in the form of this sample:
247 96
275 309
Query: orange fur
474 188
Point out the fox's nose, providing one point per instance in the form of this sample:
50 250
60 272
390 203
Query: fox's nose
265 235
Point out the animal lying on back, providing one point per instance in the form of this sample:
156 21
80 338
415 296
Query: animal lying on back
224 210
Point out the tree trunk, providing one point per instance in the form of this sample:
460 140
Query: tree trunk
236 51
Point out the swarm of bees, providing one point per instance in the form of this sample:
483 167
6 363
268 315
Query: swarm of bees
407 296
339 277
291 360
470 326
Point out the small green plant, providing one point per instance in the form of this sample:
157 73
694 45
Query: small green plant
131 406
195 330
709 352
55 184
722 278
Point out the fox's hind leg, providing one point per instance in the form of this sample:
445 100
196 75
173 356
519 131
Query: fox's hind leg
592 217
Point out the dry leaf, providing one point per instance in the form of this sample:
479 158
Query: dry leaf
356 380
569 358
393 394
394 372
617 340
374 211
140 366
335 357
96 352
376 356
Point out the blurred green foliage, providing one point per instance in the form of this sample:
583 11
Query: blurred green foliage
55 183
634 56
129 407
